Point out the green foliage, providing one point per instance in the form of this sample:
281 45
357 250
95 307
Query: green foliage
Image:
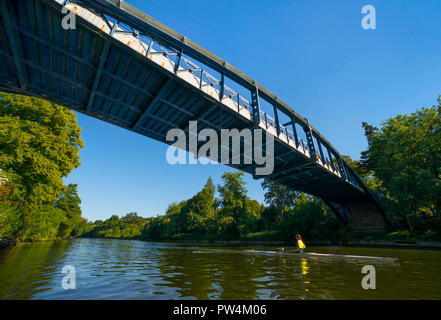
83 227
279 196
69 202
263 236
405 154
400 235
366 174
233 193
308 218
46 222
153 229
129 226
233 203
407 235
11 220
253 218
205 217
270 217
234 216
40 144
199 211
42 224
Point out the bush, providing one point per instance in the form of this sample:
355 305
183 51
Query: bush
263 236
11 220
400 235
308 218
43 224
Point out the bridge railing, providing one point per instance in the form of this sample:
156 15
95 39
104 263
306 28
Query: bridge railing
151 46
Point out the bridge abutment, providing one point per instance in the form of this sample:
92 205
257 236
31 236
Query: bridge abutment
365 217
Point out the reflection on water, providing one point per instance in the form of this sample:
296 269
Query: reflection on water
117 269
28 269
305 267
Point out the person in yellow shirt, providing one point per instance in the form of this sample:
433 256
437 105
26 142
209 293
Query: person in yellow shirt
300 243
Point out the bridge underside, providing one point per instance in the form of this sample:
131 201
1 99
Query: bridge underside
91 72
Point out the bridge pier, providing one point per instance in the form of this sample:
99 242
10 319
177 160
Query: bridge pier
362 217
365 217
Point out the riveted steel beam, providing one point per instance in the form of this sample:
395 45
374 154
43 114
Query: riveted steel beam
15 46
99 73
154 101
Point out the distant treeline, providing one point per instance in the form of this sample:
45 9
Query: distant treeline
402 166
231 216
40 142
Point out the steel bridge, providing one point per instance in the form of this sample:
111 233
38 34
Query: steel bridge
122 66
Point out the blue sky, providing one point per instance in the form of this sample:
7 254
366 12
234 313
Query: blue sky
312 54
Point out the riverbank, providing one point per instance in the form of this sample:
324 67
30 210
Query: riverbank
378 240
381 244
6 243
322 243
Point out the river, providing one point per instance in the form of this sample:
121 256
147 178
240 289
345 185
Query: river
120 269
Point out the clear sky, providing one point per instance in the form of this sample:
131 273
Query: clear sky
312 54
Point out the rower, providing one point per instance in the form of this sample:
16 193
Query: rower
300 243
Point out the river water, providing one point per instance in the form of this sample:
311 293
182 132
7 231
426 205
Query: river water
120 269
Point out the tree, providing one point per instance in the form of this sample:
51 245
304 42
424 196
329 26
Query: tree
69 202
82 228
174 221
200 209
405 154
112 222
308 218
270 216
153 229
233 202
132 218
40 145
365 173
11 221
5 188
42 223
253 216
279 196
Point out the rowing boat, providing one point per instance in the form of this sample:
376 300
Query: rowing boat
322 255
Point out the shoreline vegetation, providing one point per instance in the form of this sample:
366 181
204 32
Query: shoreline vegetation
40 144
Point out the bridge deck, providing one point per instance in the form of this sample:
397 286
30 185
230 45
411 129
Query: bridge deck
109 72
